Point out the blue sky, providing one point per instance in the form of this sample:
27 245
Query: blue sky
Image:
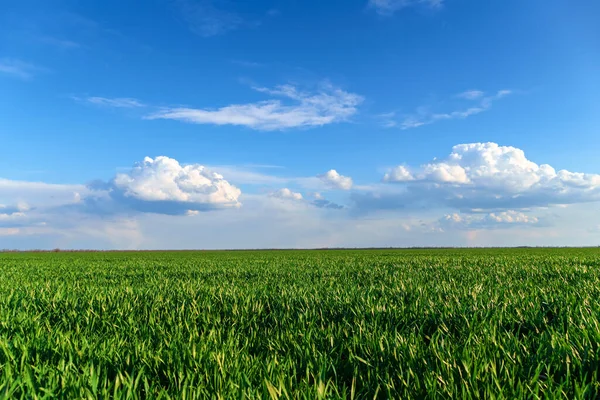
221 124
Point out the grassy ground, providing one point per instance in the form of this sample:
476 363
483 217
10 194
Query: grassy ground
521 323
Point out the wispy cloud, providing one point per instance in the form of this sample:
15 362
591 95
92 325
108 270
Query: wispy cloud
18 68
471 94
478 103
248 64
325 106
206 18
118 102
62 43
389 7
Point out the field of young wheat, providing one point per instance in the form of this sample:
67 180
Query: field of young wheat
520 323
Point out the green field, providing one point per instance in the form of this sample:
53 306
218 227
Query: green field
520 323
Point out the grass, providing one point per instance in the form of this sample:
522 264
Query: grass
518 323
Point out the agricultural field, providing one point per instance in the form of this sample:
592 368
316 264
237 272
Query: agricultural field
480 323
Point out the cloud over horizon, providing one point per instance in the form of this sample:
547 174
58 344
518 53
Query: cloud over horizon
477 187
483 176
161 185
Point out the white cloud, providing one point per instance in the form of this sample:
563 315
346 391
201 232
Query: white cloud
300 203
270 222
498 220
326 106
286 193
398 174
333 179
483 176
163 182
471 94
18 68
388 7
119 102
492 195
424 116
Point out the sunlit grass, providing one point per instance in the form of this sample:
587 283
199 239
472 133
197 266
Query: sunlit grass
299 324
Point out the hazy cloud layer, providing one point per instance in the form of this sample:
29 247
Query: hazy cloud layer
477 188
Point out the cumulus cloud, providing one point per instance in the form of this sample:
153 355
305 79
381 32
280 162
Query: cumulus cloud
286 193
398 174
388 7
333 179
326 106
477 102
162 185
483 176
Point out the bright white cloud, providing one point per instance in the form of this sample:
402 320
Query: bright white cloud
483 176
333 179
388 7
477 103
398 174
326 106
164 180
